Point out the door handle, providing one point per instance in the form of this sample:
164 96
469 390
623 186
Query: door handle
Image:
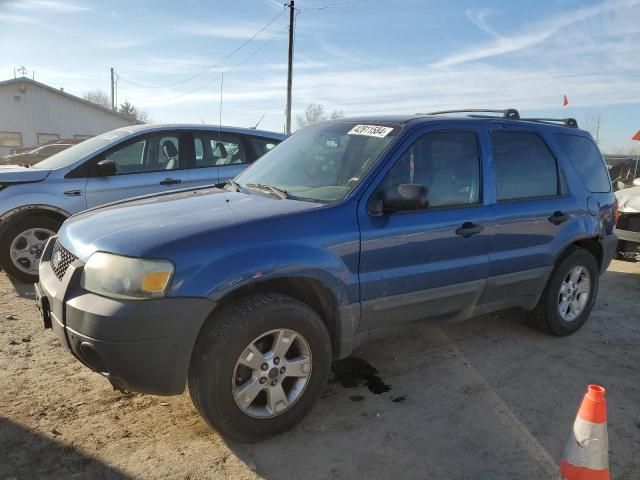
170 181
558 217
468 229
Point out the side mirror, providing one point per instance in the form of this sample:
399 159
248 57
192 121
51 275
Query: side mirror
402 198
106 168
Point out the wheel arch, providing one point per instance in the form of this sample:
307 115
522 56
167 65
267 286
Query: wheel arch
591 244
29 210
307 290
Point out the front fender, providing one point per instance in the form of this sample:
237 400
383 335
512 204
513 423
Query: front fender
251 265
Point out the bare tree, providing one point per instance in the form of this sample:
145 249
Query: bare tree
133 112
592 125
99 97
315 113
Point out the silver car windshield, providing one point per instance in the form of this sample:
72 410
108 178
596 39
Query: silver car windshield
73 154
322 162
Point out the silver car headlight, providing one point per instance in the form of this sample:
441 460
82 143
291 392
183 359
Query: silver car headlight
116 276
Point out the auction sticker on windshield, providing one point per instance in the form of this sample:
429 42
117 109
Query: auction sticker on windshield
370 131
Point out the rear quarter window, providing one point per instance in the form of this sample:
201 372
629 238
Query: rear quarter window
586 159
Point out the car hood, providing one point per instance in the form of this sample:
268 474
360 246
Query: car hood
629 200
16 174
140 227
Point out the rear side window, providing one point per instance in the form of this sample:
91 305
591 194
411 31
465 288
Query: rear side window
524 166
586 159
262 145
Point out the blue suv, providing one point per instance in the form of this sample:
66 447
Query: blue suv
348 230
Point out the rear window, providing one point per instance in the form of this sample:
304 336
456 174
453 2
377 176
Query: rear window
524 167
586 159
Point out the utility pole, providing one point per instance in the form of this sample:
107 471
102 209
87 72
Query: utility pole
290 70
113 92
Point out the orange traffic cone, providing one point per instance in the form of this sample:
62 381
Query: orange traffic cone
586 456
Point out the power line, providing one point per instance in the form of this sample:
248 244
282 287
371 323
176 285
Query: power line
338 4
218 76
218 63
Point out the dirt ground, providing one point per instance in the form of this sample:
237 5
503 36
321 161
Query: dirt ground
486 399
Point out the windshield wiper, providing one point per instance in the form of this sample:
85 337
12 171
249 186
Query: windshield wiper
236 186
275 191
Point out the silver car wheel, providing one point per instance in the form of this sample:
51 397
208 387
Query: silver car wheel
27 247
271 373
574 293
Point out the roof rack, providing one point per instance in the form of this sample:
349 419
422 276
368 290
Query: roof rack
567 122
510 113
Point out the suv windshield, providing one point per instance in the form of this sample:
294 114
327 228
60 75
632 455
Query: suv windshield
321 163
75 153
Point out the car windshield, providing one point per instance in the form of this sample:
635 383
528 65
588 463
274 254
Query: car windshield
73 154
321 163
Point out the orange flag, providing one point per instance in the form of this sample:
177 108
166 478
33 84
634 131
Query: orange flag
565 101
636 136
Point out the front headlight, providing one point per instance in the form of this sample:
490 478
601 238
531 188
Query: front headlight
116 276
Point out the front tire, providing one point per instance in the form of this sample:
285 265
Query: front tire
259 366
569 295
22 244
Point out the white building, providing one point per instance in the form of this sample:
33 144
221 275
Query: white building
32 113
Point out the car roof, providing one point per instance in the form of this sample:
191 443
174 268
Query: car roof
159 127
423 119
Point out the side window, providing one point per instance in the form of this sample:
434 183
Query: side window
199 149
524 167
152 154
216 150
446 163
586 159
130 158
262 145
168 154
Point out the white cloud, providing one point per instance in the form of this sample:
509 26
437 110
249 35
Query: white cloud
48 5
479 19
534 34
231 30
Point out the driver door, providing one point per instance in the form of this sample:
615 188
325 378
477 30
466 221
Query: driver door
434 262
144 165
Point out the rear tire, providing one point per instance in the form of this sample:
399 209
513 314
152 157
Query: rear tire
563 307
22 244
222 348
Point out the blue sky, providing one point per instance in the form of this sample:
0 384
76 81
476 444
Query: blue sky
361 56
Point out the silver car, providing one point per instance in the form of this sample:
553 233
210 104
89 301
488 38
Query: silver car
123 163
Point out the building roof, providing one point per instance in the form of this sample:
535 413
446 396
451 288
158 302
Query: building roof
69 96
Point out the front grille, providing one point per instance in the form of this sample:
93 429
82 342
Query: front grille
634 224
629 221
61 258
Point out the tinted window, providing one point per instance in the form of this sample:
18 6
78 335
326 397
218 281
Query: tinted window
447 163
586 159
524 167
218 150
262 145
150 154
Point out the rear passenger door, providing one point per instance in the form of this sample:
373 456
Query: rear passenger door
146 164
531 209
218 158
432 262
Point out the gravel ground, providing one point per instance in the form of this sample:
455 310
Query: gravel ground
489 398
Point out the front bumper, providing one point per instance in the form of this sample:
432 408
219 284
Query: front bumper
139 345
627 235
